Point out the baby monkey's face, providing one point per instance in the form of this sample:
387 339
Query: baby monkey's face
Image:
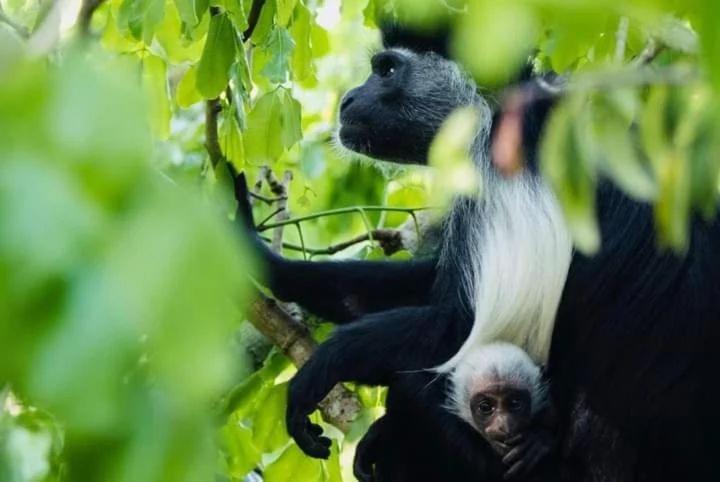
500 413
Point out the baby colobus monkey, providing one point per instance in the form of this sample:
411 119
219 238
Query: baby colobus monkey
502 393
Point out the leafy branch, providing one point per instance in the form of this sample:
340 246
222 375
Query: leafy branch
288 333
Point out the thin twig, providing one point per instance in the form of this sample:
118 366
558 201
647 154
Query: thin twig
266 199
280 189
390 241
649 53
253 18
348 210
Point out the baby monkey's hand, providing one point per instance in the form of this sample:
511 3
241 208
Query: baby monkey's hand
528 450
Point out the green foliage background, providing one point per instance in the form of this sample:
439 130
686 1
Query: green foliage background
123 345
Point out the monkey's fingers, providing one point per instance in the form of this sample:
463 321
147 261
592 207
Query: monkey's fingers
529 460
308 436
312 443
512 441
516 454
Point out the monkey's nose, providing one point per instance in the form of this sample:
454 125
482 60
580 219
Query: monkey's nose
347 100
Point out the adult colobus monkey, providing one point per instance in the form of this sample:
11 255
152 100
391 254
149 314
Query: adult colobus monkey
634 352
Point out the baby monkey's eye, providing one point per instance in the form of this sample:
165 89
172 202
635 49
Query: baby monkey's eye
486 407
515 404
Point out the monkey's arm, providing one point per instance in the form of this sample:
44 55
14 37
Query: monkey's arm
368 351
338 291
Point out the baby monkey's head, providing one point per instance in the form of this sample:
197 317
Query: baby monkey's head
498 389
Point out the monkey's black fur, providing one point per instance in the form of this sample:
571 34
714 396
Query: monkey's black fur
636 347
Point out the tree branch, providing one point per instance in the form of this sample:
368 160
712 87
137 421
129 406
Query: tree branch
293 338
253 19
348 210
390 240
212 142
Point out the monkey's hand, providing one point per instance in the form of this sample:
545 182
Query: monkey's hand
367 450
307 388
528 450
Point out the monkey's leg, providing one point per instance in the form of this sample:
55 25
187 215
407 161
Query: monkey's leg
367 450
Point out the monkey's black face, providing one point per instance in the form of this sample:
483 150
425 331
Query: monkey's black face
501 413
396 113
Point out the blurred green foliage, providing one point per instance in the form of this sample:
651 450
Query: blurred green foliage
122 285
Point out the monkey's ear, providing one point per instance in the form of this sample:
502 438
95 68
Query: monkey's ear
395 34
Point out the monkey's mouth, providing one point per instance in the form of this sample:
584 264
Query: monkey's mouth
355 136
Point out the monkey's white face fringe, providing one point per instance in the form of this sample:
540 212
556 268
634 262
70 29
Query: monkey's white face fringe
522 251
496 362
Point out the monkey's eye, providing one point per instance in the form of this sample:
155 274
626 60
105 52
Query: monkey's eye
515 404
486 407
384 66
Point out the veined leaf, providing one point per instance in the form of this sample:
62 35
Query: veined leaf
218 56
284 11
290 119
140 17
263 142
302 66
280 45
191 11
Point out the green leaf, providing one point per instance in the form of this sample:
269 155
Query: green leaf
290 119
614 140
241 453
294 466
263 142
269 433
302 65
284 11
187 93
273 125
483 43
320 41
453 169
280 45
155 82
264 24
236 10
673 205
218 56
567 165
191 11
231 141
140 17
